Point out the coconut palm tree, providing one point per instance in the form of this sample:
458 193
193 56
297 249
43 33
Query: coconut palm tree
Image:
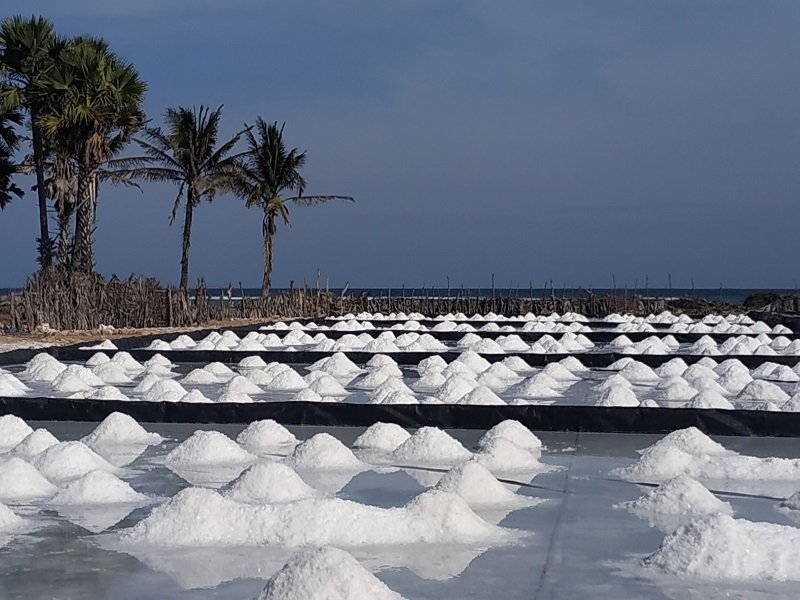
9 141
93 109
186 153
267 170
27 47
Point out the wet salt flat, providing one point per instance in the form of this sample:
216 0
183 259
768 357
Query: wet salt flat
163 511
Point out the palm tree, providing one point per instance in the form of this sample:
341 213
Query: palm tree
266 171
93 110
27 47
9 141
187 154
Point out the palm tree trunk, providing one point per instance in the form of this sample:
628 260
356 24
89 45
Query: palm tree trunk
269 239
187 235
45 243
64 217
82 259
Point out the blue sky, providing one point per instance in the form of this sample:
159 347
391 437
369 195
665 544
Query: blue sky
533 140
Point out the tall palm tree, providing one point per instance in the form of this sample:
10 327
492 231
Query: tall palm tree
9 141
93 109
266 171
186 153
27 47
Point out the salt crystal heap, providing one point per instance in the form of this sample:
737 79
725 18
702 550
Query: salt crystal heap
430 446
719 547
514 432
11 386
676 502
21 482
12 431
325 574
324 452
34 444
69 460
97 487
10 522
268 483
479 488
120 429
266 437
207 448
381 437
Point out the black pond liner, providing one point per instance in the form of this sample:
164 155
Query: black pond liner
538 418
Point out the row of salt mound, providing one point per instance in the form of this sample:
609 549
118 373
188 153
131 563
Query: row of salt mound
197 516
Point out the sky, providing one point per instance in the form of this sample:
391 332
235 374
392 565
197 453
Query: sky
536 141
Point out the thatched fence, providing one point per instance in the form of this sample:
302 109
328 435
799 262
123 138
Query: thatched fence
86 302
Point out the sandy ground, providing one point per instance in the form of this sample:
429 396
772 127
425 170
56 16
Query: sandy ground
41 339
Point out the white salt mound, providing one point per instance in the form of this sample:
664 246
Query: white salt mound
20 482
381 437
287 380
11 386
268 483
516 433
719 547
200 377
241 385
108 392
34 444
676 502
324 452
690 440
68 460
119 428
97 487
325 574
12 431
499 454
430 445
9 521
477 486
265 437
207 448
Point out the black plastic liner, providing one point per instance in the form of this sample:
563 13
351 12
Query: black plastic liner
589 359
541 418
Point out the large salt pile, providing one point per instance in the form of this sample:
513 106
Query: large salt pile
119 428
514 432
720 547
337 365
430 446
675 503
97 487
207 449
287 380
478 487
239 384
689 452
268 483
33 444
43 368
76 378
325 574
709 399
111 372
12 431
266 437
11 386
480 395
21 482
202 517
68 460
9 522
498 454
164 390
381 437
619 395
324 452
200 377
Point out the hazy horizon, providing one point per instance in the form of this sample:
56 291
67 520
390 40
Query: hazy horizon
536 141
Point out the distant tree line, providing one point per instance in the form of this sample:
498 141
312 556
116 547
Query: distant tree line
72 107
